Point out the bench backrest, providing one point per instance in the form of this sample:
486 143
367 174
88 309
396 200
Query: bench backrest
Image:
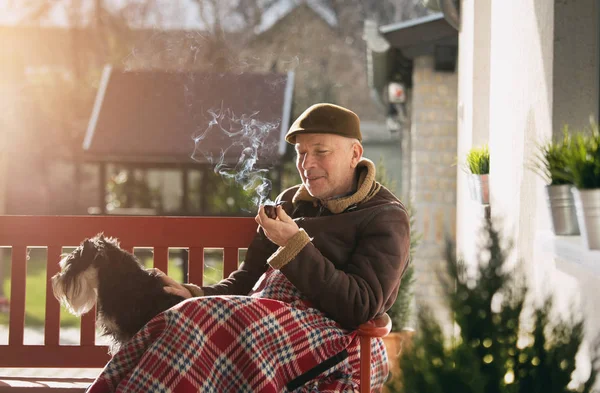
56 232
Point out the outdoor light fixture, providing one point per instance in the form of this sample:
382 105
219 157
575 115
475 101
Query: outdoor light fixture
396 115
396 93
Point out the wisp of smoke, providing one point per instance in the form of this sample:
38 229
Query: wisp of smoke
248 135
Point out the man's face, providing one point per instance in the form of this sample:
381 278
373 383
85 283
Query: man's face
326 163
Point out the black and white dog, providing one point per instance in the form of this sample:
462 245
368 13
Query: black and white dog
127 295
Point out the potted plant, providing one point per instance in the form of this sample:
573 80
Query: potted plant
478 167
583 169
550 163
499 344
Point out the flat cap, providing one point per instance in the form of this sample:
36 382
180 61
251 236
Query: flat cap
325 119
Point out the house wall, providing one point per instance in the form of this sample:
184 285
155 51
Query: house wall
433 177
575 63
521 57
542 64
575 98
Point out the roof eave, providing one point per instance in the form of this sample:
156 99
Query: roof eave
422 32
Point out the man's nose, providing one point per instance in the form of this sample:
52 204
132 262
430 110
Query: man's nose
308 161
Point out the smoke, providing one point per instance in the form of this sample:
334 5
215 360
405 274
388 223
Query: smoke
246 138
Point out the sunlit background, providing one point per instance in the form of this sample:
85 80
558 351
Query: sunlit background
108 96
179 107
155 107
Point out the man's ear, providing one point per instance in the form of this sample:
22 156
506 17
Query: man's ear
357 152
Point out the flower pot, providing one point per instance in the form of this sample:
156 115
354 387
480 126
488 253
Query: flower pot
587 205
395 343
562 210
479 188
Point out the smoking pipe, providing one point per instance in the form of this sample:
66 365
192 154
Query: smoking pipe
270 209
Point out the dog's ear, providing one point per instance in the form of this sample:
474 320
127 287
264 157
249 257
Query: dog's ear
113 241
102 240
88 249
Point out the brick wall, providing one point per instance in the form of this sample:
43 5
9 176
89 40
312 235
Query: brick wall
433 174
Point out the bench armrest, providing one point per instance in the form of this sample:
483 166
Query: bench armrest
377 327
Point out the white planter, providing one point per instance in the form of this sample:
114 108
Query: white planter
479 188
562 210
587 205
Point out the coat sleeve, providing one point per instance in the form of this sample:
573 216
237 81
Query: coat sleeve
370 278
241 281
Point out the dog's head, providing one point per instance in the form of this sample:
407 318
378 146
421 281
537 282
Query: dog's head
76 286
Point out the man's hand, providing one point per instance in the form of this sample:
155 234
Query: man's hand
172 286
279 230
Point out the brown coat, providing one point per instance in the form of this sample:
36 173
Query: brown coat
348 257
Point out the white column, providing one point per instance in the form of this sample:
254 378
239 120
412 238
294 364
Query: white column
473 113
521 114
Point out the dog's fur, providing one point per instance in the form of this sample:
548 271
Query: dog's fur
127 295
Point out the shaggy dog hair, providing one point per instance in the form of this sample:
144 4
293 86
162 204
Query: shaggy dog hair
127 295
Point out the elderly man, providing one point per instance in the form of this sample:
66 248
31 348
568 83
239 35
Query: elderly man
330 260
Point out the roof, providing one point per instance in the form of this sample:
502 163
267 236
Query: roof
280 9
182 117
413 36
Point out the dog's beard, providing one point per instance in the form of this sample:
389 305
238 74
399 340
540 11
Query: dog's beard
109 328
78 293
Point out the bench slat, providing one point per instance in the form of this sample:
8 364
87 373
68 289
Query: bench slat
161 259
44 385
196 266
52 318
230 260
137 231
17 295
72 356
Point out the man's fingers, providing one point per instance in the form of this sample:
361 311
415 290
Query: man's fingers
171 286
282 215
260 216
263 220
164 278
183 292
170 290
168 280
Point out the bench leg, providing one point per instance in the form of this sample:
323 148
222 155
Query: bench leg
365 364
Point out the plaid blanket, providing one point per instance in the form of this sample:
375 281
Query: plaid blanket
270 341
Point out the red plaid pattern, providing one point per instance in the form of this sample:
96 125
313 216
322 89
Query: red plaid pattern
256 343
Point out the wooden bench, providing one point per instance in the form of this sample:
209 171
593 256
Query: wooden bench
159 233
